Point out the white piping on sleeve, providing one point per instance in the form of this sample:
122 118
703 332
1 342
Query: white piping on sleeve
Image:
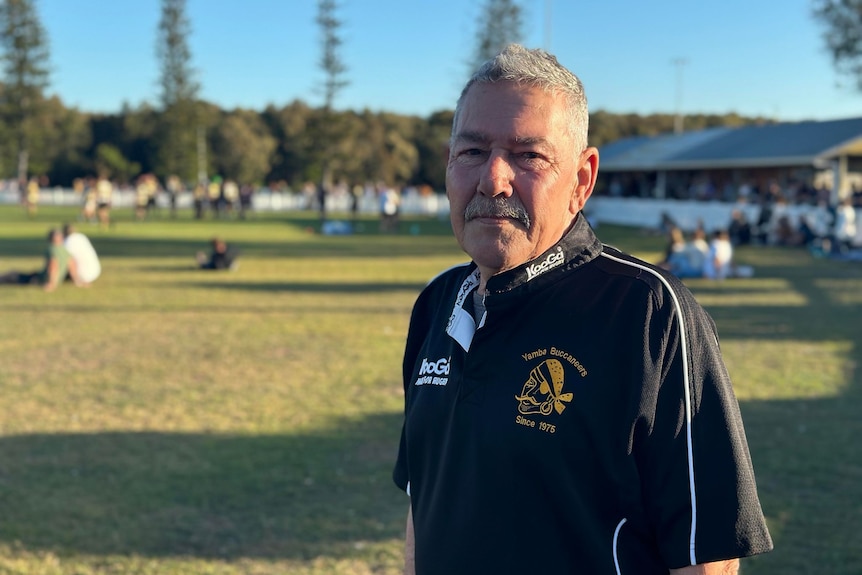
687 388
616 538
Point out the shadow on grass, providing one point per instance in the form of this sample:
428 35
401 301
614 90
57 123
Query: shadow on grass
191 266
312 246
807 453
206 495
300 231
313 287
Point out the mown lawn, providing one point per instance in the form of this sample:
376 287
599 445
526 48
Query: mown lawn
169 420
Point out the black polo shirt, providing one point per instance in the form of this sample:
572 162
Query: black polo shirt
587 425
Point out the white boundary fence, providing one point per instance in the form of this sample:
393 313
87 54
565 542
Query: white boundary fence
263 200
640 212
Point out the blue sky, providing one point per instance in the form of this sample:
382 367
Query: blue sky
753 57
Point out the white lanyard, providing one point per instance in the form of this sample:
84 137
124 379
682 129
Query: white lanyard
462 326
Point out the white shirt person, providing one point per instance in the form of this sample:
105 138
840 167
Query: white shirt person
82 251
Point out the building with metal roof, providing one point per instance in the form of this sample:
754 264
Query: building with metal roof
717 163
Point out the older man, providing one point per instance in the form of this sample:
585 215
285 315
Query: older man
567 408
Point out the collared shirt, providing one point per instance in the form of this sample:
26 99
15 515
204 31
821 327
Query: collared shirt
584 424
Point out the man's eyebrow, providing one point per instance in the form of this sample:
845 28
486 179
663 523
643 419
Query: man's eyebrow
474 137
471 137
530 141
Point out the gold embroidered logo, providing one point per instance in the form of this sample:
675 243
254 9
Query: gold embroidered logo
543 390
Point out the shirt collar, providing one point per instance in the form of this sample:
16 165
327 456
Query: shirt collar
579 246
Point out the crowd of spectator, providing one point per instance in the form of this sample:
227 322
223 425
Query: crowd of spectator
827 231
700 256
704 188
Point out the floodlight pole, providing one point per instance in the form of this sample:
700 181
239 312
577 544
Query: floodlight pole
678 119
202 155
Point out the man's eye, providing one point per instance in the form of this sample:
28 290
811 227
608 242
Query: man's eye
532 160
471 155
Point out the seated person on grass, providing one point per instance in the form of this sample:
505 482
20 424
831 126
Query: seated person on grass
222 257
58 263
82 252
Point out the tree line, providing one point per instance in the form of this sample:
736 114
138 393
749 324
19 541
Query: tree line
280 144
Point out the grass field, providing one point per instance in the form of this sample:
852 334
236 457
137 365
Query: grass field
168 420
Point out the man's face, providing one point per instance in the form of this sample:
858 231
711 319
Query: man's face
514 180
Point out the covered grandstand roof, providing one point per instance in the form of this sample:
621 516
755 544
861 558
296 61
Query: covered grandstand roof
776 145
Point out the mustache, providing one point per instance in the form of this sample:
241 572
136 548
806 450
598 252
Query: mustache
484 207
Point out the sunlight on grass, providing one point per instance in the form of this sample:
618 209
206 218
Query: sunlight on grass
747 292
789 369
386 559
842 291
272 365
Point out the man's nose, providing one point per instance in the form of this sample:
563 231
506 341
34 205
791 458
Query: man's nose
497 176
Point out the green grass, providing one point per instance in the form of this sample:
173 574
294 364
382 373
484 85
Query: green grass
168 420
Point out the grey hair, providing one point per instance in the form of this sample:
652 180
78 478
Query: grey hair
537 69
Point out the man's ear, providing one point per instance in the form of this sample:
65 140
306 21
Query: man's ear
586 174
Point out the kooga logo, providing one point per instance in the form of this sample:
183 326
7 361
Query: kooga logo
439 367
553 260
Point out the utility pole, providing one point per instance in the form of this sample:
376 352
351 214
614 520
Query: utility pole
678 119
202 155
547 39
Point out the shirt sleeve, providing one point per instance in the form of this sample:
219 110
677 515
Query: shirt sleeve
696 474
416 334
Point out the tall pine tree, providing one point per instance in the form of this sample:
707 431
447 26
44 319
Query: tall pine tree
25 69
334 68
177 145
500 23
329 131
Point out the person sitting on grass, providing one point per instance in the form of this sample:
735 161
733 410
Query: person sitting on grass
718 264
58 263
83 253
685 259
222 256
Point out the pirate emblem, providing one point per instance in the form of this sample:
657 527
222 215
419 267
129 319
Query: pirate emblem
542 392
